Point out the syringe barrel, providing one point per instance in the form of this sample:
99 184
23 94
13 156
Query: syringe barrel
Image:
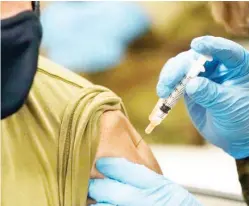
164 106
177 93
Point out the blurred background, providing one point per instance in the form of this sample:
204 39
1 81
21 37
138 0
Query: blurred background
123 46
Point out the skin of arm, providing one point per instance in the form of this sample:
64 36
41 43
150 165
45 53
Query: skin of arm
118 138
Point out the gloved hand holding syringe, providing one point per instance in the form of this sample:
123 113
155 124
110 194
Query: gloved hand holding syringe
163 106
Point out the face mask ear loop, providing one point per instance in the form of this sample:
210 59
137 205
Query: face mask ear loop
36 7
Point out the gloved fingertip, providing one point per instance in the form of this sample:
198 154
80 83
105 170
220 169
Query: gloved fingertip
161 93
106 165
102 160
91 186
199 47
197 40
96 186
90 183
162 90
199 44
202 39
102 164
109 160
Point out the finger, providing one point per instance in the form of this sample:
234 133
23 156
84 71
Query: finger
173 71
227 52
130 173
196 112
111 191
208 94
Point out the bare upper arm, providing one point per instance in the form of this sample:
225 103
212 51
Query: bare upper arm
118 138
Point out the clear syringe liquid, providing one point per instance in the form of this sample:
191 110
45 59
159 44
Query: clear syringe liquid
164 106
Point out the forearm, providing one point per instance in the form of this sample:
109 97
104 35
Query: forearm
243 171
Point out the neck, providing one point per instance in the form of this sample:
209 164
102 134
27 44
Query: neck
9 9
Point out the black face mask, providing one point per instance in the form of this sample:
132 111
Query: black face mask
20 41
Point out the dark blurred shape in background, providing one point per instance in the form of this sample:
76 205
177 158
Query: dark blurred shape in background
234 15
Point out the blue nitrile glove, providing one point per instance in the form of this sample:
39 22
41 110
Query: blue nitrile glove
130 184
91 36
218 101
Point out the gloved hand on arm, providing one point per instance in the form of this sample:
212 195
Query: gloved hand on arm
218 100
130 184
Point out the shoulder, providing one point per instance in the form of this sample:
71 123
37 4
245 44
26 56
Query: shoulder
51 70
113 120
115 126
53 89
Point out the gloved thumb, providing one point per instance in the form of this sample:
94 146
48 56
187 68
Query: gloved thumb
207 93
225 51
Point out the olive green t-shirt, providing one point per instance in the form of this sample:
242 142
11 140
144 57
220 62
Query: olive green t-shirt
49 145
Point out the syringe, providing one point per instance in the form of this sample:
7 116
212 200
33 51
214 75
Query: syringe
164 106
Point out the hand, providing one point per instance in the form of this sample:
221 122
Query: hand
218 100
130 184
93 36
